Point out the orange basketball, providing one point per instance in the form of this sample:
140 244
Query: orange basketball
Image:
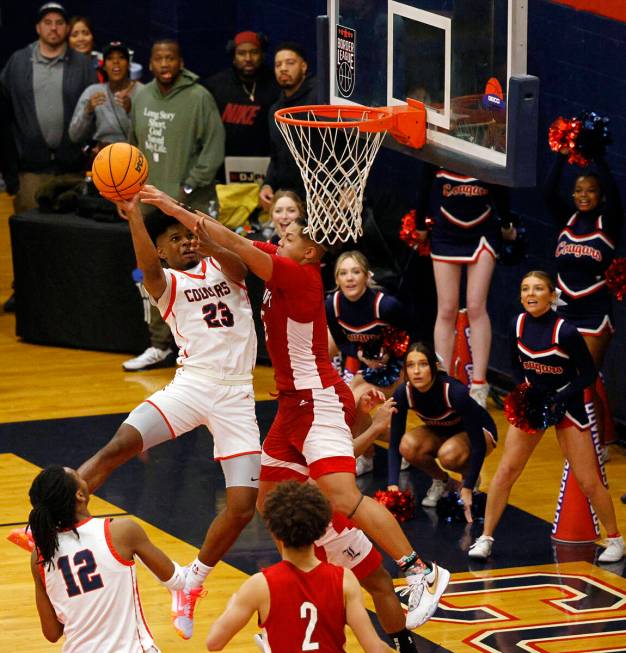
119 171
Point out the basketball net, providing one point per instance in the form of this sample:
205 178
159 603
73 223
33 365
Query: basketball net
334 165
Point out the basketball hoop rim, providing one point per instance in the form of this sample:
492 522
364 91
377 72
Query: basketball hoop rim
379 121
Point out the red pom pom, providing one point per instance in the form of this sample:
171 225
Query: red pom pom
400 503
564 133
515 408
408 233
395 341
616 277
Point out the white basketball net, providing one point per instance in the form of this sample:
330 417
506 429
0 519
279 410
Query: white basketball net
334 164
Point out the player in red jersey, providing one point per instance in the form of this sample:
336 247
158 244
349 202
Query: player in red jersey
311 433
303 604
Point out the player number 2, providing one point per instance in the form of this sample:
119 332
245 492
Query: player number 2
213 320
309 611
85 568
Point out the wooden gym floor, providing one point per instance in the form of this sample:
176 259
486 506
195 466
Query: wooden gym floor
60 405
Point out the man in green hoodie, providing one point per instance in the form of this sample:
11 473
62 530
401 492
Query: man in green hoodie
176 123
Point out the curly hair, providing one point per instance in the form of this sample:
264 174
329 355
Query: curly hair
53 497
296 513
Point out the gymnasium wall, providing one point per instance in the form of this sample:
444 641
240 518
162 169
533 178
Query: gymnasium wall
578 55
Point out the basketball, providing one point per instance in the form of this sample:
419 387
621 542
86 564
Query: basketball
119 171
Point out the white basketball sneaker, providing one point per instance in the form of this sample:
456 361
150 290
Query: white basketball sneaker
614 550
479 393
424 592
481 549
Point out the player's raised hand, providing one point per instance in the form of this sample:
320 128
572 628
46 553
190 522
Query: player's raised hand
157 198
203 243
129 209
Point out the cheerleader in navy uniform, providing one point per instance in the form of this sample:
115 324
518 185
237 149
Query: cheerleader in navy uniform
456 431
590 230
357 314
471 219
549 353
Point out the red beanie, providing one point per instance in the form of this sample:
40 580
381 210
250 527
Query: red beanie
247 37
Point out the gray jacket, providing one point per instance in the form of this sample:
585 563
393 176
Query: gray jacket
17 77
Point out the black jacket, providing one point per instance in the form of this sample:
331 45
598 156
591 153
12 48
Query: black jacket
8 151
245 119
17 77
283 172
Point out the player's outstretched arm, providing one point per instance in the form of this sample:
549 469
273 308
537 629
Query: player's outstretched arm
250 598
231 263
357 617
145 251
129 539
51 627
211 232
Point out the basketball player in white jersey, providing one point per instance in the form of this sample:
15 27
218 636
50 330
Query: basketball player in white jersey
205 303
84 572
310 436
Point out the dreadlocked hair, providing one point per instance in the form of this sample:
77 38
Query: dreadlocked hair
53 497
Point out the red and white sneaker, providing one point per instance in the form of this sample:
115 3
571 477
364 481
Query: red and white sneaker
183 606
22 537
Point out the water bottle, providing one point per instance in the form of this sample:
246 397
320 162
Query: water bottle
145 299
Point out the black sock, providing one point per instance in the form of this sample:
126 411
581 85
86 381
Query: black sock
403 641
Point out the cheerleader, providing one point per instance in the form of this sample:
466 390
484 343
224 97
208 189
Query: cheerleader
550 354
590 231
471 219
457 431
286 206
357 314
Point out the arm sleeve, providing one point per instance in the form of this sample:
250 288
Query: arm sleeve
575 346
398 427
558 207
336 331
393 312
268 248
82 125
614 213
517 371
474 417
212 138
424 189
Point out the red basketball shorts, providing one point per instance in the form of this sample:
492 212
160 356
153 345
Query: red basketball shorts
310 435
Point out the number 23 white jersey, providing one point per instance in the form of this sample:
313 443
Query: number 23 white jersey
211 319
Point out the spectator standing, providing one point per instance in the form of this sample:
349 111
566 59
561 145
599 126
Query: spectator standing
290 68
80 35
81 38
176 123
244 93
44 81
102 112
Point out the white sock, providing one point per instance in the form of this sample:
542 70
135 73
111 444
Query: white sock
196 575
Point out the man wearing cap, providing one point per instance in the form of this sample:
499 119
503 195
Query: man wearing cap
298 89
44 81
102 112
244 93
